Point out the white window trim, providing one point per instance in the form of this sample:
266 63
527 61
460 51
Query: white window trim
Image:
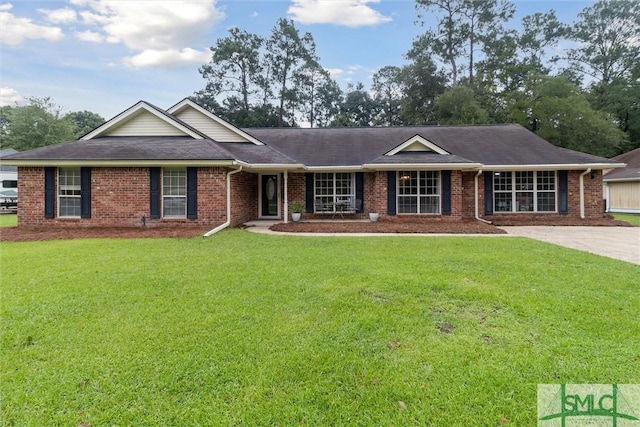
351 195
535 191
60 196
182 216
398 195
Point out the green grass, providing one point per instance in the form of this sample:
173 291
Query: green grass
246 329
633 219
8 220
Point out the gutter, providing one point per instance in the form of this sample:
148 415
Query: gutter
477 214
228 221
582 192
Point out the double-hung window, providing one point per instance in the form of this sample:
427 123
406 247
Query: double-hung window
331 188
524 191
418 192
174 193
69 200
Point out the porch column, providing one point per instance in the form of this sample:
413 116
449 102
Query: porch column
286 197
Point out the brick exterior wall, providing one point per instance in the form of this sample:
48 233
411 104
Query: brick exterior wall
120 197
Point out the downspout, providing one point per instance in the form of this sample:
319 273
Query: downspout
286 198
477 208
582 192
228 221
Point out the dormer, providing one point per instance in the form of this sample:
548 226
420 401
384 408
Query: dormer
417 144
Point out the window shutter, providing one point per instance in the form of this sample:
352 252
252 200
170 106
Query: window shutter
192 193
563 196
488 193
308 193
49 192
85 192
391 192
446 192
360 189
154 193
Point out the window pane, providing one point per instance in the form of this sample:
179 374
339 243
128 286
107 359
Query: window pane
430 204
174 207
502 181
174 182
69 206
546 202
407 204
502 202
524 202
546 181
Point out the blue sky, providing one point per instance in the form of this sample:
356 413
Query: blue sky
104 56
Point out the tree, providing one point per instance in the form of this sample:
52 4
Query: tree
463 26
36 124
318 95
559 112
387 89
288 54
421 83
358 108
457 106
83 121
608 34
234 67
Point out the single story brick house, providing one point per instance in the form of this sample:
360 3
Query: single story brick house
148 166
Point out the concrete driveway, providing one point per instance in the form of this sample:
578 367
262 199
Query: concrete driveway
614 242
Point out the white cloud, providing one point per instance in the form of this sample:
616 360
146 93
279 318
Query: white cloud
335 72
350 13
15 29
59 16
158 25
90 36
168 58
9 96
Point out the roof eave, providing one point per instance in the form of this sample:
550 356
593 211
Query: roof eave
565 166
122 163
423 166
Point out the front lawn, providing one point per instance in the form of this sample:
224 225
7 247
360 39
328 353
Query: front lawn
633 219
246 329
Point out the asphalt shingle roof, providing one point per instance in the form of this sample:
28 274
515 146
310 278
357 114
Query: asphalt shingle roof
632 171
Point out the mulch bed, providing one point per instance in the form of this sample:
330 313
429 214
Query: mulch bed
408 226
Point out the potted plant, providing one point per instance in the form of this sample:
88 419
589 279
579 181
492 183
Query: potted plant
374 216
296 211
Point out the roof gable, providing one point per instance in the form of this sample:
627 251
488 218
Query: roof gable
209 124
143 119
417 143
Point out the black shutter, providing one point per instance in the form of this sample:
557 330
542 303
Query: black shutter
49 192
563 196
85 192
391 192
154 193
360 189
308 192
192 193
446 192
488 193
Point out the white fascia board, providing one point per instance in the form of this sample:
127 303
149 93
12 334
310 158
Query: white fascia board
131 112
546 167
122 163
424 166
636 179
419 139
270 166
354 168
189 103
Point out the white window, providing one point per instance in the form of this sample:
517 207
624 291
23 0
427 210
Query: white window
174 193
524 191
333 188
69 204
418 192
